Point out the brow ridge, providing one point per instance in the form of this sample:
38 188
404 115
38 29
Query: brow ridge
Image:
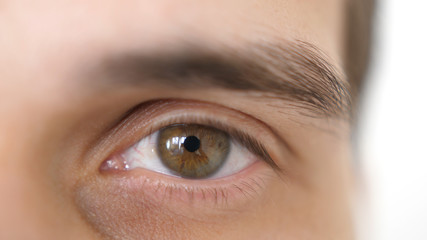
296 72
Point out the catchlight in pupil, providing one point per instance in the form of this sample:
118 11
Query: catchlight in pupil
192 150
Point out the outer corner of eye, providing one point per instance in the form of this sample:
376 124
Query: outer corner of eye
189 151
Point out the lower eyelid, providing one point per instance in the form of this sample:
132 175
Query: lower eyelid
228 192
217 188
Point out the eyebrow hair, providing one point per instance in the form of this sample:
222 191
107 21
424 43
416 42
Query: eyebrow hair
296 72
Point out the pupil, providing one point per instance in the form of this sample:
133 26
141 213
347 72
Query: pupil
191 143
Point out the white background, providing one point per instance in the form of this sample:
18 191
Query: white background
393 133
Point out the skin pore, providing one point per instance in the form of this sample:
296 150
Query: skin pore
64 113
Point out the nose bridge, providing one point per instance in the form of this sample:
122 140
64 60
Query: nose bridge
27 196
33 199
20 186
21 216
21 193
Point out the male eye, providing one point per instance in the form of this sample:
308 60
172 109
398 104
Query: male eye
178 160
193 151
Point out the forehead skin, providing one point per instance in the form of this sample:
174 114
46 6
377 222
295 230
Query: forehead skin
45 117
43 28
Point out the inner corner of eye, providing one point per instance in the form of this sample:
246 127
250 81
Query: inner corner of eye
190 151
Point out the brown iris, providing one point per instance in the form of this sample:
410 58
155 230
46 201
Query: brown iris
192 150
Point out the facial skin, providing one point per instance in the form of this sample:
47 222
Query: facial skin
71 72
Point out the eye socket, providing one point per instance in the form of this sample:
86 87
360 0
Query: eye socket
132 166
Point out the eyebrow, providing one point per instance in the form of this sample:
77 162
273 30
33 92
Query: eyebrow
296 72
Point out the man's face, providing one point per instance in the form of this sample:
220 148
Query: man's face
173 120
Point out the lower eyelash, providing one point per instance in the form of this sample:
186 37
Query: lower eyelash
215 195
219 194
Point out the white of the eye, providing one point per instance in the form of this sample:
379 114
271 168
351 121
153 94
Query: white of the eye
143 154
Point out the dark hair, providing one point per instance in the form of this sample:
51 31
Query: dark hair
359 14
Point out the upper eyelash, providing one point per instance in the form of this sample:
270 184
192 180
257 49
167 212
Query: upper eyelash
253 145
